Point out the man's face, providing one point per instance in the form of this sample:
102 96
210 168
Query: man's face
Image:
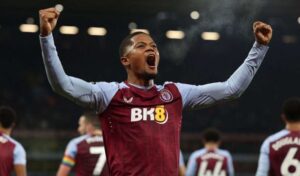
142 57
81 125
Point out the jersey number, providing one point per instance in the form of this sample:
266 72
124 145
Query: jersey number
101 160
289 161
203 171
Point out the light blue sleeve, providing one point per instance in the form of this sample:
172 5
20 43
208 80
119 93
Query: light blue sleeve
181 160
230 164
89 95
205 95
71 149
263 161
192 165
19 155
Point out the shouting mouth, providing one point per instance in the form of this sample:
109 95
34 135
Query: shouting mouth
151 60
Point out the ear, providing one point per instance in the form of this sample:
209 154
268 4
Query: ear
125 61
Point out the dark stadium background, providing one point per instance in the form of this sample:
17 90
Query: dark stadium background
47 121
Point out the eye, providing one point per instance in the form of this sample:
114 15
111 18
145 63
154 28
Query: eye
140 46
154 46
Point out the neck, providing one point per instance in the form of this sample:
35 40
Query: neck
5 131
139 81
295 126
211 146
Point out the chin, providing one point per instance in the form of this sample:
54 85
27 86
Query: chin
149 76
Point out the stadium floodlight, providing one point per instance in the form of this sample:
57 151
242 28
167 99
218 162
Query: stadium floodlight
97 31
289 39
210 36
195 15
29 28
139 30
175 34
68 30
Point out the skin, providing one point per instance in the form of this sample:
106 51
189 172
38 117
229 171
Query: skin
81 125
211 145
182 171
139 72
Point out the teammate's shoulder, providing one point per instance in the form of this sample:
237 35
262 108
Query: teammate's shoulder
277 135
198 152
224 152
78 139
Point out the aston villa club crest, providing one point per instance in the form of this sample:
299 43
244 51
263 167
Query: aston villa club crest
166 95
127 100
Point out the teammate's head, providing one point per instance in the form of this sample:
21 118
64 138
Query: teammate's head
211 136
88 122
7 117
291 110
139 55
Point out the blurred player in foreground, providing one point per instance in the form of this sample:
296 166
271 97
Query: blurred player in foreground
12 153
85 153
141 121
210 161
182 168
280 152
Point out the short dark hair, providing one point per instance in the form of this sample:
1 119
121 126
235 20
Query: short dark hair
211 135
291 109
7 116
127 42
91 117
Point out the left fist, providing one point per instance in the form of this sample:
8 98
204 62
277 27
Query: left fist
262 32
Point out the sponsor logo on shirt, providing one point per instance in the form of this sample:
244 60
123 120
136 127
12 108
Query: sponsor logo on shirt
158 114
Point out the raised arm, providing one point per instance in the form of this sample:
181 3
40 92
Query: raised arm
206 95
90 95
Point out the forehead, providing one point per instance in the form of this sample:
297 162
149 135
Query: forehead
141 38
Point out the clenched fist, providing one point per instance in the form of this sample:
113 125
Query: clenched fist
48 20
262 32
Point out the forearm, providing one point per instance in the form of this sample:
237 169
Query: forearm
242 77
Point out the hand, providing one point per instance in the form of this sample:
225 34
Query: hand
48 20
262 32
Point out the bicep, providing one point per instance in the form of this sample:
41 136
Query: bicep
20 170
203 95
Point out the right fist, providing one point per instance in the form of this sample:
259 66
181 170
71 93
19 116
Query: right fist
48 20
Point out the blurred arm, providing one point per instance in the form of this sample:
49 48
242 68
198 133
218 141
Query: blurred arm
263 162
63 170
20 170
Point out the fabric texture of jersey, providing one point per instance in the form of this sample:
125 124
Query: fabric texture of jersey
280 154
86 153
11 153
142 131
215 162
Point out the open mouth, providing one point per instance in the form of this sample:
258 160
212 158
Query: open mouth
151 60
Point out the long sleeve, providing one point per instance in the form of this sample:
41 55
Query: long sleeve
90 95
205 95
263 161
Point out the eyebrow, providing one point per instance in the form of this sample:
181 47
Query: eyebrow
145 43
